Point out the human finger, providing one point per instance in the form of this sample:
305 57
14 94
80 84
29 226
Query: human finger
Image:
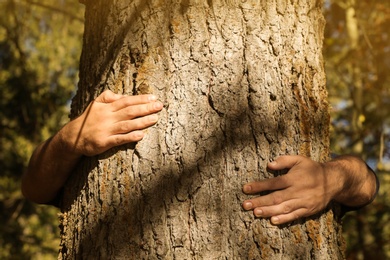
285 162
274 198
291 209
140 123
115 140
290 217
283 213
133 100
271 184
108 96
135 111
130 137
274 209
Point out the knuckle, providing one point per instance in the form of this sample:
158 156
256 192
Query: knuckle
117 141
124 103
99 144
276 199
150 107
122 127
97 147
128 100
126 126
130 112
138 124
295 216
287 209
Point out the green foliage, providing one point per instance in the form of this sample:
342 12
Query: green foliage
357 67
357 75
367 231
40 44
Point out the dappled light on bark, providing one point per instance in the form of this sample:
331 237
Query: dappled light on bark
241 83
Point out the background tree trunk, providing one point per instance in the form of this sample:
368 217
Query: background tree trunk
242 82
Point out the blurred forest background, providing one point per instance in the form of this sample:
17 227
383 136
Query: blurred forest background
40 46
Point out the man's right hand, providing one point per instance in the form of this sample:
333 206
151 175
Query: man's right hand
110 120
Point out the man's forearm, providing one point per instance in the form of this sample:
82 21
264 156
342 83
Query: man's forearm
359 181
49 167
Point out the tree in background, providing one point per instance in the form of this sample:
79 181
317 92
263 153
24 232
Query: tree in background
242 82
357 58
40 45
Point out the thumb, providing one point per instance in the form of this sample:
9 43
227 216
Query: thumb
108 96
285 162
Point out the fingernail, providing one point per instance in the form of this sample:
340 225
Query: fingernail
247 188
272 162
158 105
152 98
275 220
258 212
248 205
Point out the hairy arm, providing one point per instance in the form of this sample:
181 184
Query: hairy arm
360 184
309 186
110 120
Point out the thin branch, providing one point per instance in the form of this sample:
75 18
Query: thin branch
381 146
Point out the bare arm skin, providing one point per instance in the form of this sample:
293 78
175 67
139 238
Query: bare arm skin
309 186
110 120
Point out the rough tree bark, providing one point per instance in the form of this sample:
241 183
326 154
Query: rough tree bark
242 82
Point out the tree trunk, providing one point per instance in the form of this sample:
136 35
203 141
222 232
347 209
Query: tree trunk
242 82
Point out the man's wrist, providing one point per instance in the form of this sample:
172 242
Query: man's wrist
336 180
358 181
66 142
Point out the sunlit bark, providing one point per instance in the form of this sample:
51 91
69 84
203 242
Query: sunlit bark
242 82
